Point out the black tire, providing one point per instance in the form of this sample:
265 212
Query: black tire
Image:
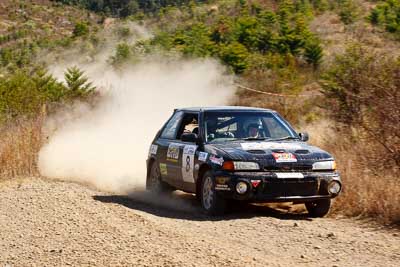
318 208
211 202
154 183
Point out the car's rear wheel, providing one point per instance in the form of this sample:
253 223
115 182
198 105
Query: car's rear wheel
212 203
154 182
318 208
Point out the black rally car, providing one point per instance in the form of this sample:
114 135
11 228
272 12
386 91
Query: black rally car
240 153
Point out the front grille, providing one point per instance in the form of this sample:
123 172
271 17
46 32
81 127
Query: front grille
282 188
288 168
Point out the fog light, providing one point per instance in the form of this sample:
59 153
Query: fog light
241 187
334 187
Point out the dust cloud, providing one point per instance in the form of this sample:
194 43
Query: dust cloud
106 146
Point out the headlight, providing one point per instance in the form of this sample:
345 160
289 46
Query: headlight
324 165
334 187
243 165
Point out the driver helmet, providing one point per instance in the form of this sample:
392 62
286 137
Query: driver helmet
253 129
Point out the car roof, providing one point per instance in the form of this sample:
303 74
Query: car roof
224 108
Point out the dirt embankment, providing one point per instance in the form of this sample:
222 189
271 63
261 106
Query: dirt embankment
45 223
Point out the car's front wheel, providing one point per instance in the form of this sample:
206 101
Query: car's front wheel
212 203
318 208
154 182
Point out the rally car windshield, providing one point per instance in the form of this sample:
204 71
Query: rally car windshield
231 126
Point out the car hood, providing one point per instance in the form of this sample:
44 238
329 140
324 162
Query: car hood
262 152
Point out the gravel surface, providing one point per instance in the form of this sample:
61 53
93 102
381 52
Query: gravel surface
49 223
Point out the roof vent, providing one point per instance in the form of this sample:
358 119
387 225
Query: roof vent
256 151
302 151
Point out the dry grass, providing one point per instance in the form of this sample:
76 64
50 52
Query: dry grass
366 192
19 146
368 195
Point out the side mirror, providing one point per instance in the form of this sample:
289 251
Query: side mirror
304 136
189 137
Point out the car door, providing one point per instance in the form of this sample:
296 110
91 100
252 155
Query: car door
169 150
187 150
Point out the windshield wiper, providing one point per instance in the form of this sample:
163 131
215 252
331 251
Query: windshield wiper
254 138
286 138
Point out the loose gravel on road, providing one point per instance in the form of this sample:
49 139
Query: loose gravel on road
51 223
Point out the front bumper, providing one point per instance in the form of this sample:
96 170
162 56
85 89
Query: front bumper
267 187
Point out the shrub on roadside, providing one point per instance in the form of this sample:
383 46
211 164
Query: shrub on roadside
80 29
24 93
362 89
25 100
366 193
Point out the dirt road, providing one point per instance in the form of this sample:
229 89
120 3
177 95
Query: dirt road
47 223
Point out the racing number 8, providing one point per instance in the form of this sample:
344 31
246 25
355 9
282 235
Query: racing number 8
187 163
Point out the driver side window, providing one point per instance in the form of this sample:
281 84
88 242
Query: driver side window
190 124
171 128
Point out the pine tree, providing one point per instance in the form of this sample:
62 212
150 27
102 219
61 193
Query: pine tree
313 53
77 83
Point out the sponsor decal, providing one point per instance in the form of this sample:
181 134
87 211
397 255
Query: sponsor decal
189 149
222 180
283 175
203 156
268 145
188 163
216 160
163 169
222 187
255 183
153 150
173 152
284 157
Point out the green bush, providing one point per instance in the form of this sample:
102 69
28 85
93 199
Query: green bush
124 32
348 11
387 15
195 41
235 55
80 29
122 53
375 17
246 31
320 5
362 89
24 93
